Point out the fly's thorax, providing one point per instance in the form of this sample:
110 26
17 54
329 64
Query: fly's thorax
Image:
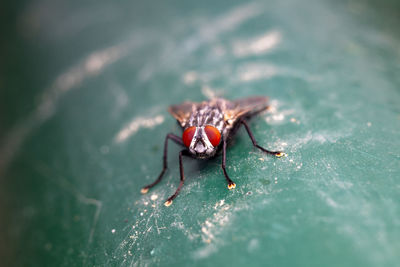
207 115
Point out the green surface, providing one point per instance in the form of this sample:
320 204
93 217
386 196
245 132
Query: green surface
84 92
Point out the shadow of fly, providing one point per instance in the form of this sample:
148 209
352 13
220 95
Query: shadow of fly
207 128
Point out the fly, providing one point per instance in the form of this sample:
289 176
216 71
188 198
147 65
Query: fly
207 128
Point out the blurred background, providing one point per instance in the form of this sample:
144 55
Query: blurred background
84 88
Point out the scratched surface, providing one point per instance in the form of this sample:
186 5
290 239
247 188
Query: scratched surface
84 91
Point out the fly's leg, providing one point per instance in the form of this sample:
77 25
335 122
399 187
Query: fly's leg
231 184
275 153
171 198
177 140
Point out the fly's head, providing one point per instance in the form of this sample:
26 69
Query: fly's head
202 141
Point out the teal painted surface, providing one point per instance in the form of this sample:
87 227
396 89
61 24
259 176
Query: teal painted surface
84 92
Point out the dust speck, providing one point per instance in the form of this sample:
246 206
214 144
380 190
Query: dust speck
253 245
190 77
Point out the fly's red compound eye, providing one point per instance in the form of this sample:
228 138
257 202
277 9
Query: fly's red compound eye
214 136
187 135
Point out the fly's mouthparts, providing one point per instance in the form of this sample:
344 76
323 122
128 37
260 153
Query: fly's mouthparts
200 146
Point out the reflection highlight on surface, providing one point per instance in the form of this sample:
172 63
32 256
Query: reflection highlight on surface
91 66
259 45
135 125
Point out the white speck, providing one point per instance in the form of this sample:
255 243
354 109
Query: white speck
113 231
146 203
205 252
253 245
252 72
299 166
190 77
369 124
141 214
331 202
320 138
208 92
154 197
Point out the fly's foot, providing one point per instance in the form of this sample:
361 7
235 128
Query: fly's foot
168 203
144 190
231 185
280 154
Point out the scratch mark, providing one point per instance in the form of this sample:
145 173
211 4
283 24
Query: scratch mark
158 228
135 125
90 66
64 184
224 23
365 153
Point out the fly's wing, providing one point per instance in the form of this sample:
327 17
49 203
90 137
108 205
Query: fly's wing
183 111
234 110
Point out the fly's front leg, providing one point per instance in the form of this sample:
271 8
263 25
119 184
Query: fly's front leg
253 140
171 198
178 141
231 184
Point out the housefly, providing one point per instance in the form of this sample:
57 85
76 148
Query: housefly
207 128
